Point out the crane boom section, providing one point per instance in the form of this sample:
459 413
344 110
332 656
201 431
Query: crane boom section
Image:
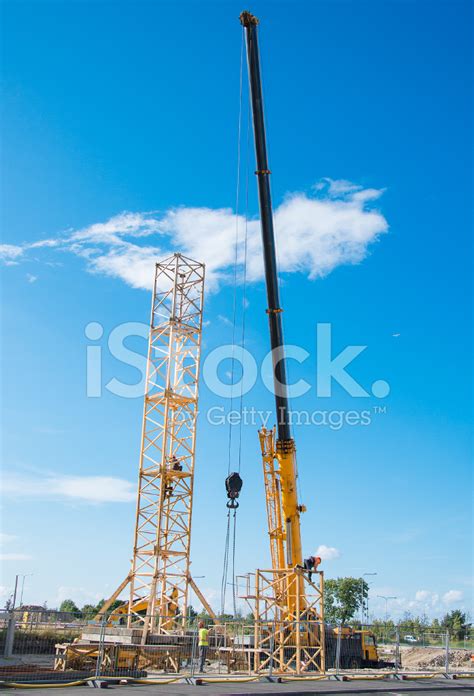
274 310
285 447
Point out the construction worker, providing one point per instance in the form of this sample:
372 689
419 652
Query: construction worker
175 464
311 565
203 644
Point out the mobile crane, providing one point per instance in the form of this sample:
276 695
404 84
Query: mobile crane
279 454
315 642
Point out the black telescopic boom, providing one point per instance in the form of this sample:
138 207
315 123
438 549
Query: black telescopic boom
268 237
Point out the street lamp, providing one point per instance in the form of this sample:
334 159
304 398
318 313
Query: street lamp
386 613
27 575
386 602
362 597
15 591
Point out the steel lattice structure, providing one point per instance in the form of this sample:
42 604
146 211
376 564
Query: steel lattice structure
160 564
159 578
287 640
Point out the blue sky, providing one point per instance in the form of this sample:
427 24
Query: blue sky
131 108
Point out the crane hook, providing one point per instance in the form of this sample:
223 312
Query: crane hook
233 484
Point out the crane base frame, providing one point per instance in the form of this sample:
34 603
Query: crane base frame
287 640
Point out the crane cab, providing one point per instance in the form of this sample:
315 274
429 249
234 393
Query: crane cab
369 647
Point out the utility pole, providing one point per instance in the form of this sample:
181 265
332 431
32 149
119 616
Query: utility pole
10 636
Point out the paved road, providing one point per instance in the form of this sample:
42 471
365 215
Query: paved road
393 688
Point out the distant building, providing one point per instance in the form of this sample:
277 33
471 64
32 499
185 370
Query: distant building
29 615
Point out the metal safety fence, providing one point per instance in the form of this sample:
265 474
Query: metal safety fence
58 647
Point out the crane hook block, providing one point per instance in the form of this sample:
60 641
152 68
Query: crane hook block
233 485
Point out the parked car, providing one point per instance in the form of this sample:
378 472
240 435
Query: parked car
410 639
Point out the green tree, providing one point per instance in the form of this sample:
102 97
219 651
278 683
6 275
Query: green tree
225 617
455 622
117 603
192 614
343 597
88 611
204 616
68 605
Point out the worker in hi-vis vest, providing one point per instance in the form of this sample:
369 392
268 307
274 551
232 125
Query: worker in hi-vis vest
203 644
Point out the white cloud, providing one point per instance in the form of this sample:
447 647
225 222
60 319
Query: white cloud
92 489
224 320
422 595
31 278
426 601
6 538
10 253
45 243
79 595
315 234
337 188
426 598
327 553
120 226
453 597
14 557
11 555
131 263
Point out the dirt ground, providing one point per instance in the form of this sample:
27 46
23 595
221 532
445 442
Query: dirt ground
430 658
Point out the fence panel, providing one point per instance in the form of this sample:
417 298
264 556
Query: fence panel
433 653
30 643
54 647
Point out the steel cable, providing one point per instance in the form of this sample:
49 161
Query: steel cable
225 564
236 249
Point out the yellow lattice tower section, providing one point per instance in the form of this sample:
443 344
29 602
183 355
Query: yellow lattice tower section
289 641
159 579
160 564
288 607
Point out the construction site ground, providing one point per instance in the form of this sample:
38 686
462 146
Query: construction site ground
413 659
389 688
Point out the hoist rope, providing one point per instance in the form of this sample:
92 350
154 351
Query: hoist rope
225 565
234 593
244 280
225 569
236 251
